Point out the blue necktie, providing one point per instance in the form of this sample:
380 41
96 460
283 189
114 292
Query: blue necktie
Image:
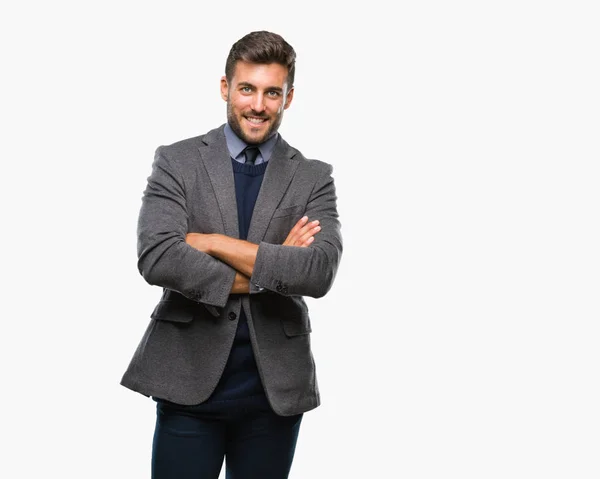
251 152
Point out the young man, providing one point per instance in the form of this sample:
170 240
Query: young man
236 226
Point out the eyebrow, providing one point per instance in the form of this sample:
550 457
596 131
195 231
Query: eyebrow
270 88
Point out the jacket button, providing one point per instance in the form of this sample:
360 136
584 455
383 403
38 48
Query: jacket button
284 290
232 316
278 288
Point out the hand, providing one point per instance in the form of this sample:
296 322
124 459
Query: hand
241 284
302 234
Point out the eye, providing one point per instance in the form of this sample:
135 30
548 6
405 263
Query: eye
246 89
273 93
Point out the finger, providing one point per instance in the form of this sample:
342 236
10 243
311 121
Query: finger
308 241
293 234
308 237
307 228
301 222
289 240
299 230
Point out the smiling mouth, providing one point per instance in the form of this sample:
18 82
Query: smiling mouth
256 120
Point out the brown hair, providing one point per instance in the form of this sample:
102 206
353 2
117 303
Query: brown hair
262 47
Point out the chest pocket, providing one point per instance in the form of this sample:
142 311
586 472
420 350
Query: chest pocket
282 221
296 210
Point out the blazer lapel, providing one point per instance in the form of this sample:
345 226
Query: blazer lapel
217 161
279 173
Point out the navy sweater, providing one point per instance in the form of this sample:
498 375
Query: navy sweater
240 379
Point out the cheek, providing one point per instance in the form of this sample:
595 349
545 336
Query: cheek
277 107
239 104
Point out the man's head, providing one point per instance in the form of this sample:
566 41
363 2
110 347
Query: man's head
258 85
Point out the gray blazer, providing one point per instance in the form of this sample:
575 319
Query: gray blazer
183 352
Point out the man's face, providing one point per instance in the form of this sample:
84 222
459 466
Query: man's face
256 98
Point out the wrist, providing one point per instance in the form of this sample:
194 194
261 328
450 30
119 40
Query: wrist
213 244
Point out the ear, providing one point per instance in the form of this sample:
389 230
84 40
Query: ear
224 88
288 99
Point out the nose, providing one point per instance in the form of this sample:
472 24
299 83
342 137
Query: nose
258 103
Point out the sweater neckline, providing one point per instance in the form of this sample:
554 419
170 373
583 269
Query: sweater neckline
252 170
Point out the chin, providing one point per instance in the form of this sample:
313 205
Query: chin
257 137
251 135
254 136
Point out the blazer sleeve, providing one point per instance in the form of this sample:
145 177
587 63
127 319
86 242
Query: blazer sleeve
164 258
305 271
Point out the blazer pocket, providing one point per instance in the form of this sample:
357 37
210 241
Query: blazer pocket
296 326
168 310
288 211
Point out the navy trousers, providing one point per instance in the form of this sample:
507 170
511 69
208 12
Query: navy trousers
191 442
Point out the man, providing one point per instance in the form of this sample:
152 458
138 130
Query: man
236 226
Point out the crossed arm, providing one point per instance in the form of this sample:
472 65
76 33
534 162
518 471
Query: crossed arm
207 268
241 254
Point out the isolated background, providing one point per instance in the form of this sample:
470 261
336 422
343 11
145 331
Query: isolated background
461 337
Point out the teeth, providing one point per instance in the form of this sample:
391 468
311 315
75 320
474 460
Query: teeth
256 120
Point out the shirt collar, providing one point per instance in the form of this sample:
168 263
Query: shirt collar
236 145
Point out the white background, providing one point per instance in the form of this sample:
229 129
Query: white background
461 338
